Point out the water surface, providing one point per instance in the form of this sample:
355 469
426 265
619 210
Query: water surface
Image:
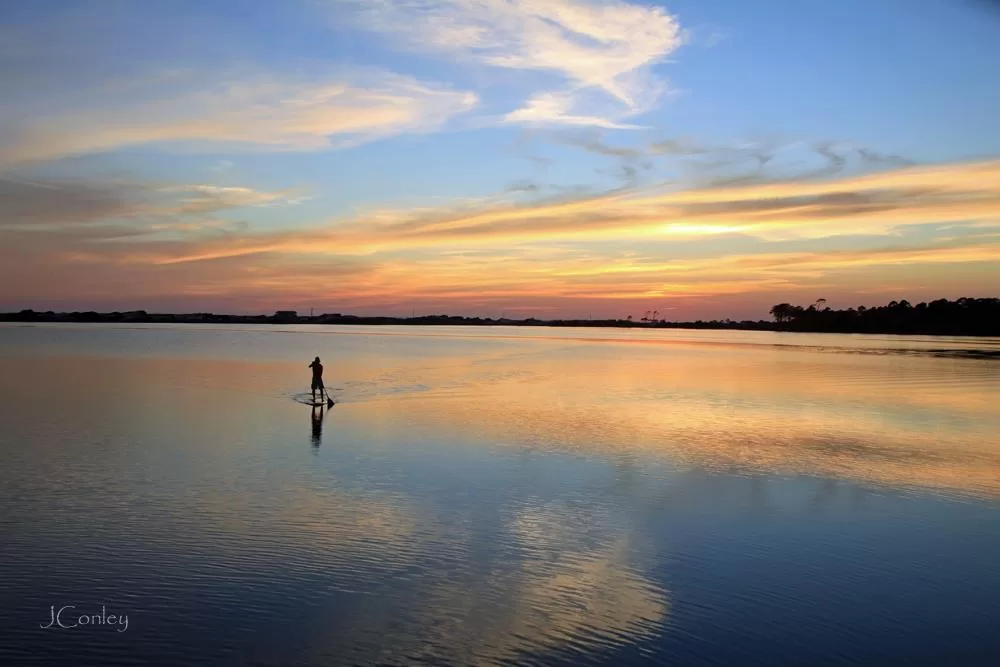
498 496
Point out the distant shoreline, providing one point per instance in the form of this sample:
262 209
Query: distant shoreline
287 317
292 317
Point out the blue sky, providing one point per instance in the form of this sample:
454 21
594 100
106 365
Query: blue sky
222 154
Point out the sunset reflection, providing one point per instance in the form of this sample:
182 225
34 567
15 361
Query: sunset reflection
898 421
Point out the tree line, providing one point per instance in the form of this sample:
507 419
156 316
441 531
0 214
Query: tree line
961 317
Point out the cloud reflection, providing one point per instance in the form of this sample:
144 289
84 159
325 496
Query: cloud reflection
905 422
563 584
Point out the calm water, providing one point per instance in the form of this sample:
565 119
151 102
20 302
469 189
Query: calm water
497 496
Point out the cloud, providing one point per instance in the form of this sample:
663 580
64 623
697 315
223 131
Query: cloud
698 165
46 204
526 277
259 112
523 186
548 108
744 163
602 48
102 76
619 247
594 143
81 96
873 204
34 203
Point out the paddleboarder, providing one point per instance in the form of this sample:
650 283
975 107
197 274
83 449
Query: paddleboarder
317 381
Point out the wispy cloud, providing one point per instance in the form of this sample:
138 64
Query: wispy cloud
602 51
260 112
96 77
743 163
152 240
51 205
598 57
617 248
872 204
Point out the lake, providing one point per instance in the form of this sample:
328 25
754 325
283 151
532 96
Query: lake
497 496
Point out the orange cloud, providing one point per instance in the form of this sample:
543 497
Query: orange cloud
873 204
619 247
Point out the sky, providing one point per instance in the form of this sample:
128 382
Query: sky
550 158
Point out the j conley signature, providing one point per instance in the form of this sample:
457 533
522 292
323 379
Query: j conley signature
67 617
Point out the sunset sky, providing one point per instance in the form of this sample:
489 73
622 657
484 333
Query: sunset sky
549 158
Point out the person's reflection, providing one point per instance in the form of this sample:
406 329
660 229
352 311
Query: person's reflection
317 426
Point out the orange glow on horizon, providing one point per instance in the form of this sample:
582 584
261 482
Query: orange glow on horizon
619 248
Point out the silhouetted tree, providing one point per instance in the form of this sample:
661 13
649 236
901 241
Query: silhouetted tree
965 316
781 312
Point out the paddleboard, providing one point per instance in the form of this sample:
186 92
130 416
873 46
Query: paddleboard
307 399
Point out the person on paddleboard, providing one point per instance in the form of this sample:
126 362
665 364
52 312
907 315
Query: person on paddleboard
317 381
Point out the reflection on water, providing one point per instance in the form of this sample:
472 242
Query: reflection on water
511 497
317 425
